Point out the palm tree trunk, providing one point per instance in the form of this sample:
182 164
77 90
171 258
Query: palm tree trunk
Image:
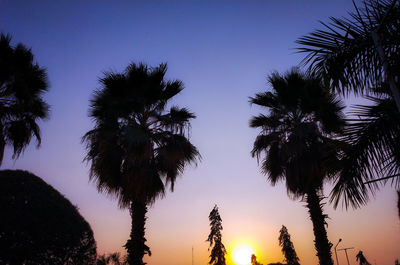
398 201
322 244
136 244
2 144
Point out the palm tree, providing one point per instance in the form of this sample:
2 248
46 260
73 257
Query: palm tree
137 147
22 83
346 55
296 143
398 201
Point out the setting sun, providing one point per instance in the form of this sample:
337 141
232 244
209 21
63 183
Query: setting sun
241 254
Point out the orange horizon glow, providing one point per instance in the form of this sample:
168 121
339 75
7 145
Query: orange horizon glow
240 251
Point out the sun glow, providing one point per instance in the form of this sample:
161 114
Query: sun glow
241 254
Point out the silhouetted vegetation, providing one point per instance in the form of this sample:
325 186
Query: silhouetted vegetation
22 83
345 54
254 260
361 258
287 247
137 147
40 226
296 143
111 259
217 256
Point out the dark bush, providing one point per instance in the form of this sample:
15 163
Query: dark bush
38 225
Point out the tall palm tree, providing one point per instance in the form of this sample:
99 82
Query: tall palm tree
345 54
22 84
296 143
137 147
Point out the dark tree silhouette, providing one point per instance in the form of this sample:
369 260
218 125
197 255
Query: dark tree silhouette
297 145
287 247
111 259
217 256
40 226
22 83
345 55
137 147
361 258
254 260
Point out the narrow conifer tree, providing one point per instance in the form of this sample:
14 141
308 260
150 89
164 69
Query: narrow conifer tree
287 247
217 256
254 260
362 259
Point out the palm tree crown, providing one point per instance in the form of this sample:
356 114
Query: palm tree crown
22 83
296 145
137 146
295 134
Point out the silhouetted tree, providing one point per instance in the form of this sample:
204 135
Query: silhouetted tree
217 256
22 83
361 258
254 260
111 259
137 147
287 247
40 226
345 55
297 145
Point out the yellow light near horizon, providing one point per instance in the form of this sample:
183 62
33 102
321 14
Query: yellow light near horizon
241 254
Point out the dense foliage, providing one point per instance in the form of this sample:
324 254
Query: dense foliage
40 226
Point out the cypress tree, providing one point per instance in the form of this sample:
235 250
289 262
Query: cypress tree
217 256
287 247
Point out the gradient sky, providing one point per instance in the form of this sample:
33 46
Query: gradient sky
222 51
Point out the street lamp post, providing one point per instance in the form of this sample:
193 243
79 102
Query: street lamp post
347 257
337 261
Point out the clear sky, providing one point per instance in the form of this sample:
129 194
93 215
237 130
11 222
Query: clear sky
222 51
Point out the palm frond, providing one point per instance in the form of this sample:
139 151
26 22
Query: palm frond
374 151
344 53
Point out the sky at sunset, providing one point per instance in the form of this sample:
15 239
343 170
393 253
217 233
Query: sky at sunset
222 51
